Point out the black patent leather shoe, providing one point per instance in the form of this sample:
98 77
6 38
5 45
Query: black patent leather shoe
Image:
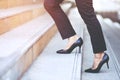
104 60
78 43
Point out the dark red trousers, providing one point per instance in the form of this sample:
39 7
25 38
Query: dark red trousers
86 10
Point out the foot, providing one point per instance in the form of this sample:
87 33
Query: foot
97 59
72 43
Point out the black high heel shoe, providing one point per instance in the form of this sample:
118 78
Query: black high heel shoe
78 43
105 59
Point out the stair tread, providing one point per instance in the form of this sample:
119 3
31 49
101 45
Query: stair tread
12 11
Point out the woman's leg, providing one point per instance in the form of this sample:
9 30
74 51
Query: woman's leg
63 24
86 10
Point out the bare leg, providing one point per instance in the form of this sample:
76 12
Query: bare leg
71 40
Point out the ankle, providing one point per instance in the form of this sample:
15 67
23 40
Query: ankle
75 37
99 55
71 40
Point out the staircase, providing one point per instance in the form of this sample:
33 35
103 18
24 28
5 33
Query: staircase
25 30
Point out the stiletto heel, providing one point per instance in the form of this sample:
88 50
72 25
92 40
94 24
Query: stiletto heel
104 60
78 43
107 64
79 50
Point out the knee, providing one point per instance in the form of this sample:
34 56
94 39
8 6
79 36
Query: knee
50 4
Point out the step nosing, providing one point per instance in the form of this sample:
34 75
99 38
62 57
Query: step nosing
4 13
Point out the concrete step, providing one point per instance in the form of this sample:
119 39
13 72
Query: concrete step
13 17
4 13
5 4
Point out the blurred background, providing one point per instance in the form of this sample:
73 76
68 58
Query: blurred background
108 8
